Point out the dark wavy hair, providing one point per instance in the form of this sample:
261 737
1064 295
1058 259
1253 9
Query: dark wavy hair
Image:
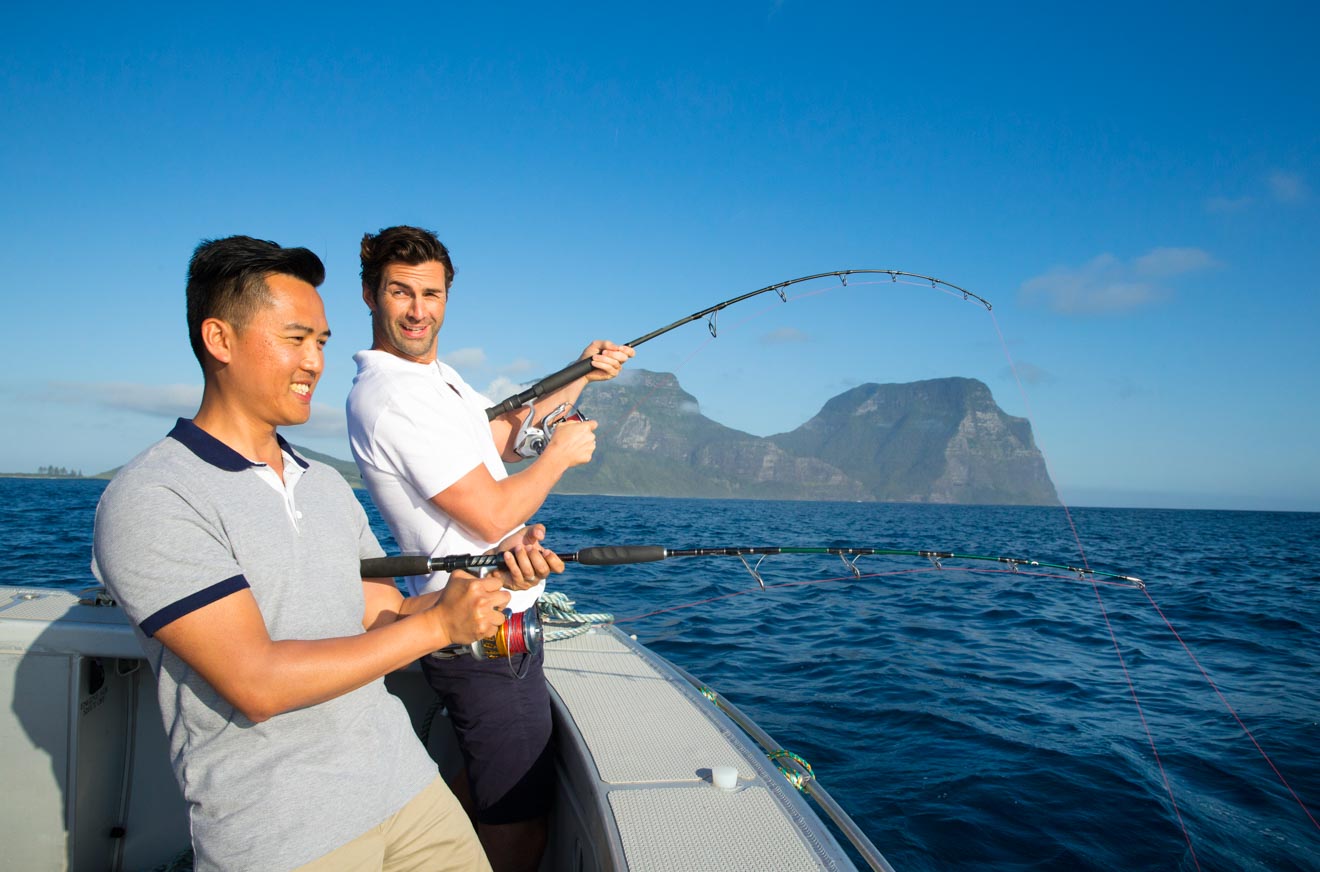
402 244
227 280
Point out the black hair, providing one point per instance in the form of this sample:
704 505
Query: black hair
402 244
227 280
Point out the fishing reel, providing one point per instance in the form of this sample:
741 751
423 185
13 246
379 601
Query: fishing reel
532 440
521 633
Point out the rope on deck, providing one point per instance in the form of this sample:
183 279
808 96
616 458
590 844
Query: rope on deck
555 608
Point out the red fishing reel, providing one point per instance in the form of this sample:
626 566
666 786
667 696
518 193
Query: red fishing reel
519 634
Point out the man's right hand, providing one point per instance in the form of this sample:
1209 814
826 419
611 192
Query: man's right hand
573 443
470 608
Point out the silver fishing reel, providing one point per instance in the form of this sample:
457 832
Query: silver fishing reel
532 440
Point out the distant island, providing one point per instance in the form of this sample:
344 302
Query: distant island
47 472
936 441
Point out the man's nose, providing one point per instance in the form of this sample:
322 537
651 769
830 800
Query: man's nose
314 358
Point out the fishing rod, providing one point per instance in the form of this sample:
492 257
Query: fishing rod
580 368
614 555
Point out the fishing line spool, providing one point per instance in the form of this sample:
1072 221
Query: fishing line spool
521 633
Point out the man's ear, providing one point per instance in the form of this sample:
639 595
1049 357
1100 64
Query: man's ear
218 339
369 297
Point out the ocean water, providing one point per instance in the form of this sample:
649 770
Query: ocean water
965 719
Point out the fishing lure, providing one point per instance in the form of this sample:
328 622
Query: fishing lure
578 369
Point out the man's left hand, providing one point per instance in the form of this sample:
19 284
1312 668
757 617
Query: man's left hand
526 563
607 359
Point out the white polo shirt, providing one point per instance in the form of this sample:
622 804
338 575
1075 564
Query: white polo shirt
415 429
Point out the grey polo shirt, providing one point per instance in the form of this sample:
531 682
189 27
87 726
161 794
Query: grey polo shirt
190 521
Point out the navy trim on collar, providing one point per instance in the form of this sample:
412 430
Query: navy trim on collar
288 449
217 453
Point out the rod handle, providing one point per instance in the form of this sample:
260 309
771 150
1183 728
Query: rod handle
395 567
610 555
552 382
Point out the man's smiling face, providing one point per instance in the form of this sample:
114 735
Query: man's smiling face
408 309
280 353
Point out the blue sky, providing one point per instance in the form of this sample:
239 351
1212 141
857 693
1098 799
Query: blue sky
1135 189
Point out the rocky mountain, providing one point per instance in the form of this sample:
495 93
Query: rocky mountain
939 441
942 440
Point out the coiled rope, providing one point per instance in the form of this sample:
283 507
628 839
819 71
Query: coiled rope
556 608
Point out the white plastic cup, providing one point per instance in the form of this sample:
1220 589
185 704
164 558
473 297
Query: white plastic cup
724 777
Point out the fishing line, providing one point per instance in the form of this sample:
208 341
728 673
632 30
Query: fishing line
1232 711
1145 726
1113 637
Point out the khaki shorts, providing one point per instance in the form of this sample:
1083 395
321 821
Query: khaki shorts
431 832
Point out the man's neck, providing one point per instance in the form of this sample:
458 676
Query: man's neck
251 438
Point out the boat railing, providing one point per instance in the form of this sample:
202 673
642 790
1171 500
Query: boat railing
803 780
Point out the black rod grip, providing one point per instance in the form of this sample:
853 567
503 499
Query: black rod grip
552 382
395 567
610 555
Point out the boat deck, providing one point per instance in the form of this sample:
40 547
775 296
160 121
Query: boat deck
652 741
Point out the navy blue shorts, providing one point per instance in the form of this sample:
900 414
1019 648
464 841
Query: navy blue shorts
503 727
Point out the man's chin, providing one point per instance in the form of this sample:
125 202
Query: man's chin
296 417
417 349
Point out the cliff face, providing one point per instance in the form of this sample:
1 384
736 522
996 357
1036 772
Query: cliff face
942 440
653 440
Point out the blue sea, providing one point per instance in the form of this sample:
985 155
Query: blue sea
966 720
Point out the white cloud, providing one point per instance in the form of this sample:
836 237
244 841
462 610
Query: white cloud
1280 186
518 366
173 401
162 401
502 387
1287 187
1161 262
784 336
465 358
328 421
1106 284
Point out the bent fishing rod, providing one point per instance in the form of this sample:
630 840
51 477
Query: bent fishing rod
614 555
580 368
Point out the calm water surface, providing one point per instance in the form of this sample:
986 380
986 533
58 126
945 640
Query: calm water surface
965 719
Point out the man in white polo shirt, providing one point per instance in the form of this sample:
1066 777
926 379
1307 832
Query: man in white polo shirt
433 463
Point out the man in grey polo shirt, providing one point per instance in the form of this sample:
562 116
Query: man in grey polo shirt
237 561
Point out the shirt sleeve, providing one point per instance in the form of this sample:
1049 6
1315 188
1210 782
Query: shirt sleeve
159 556
426 443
